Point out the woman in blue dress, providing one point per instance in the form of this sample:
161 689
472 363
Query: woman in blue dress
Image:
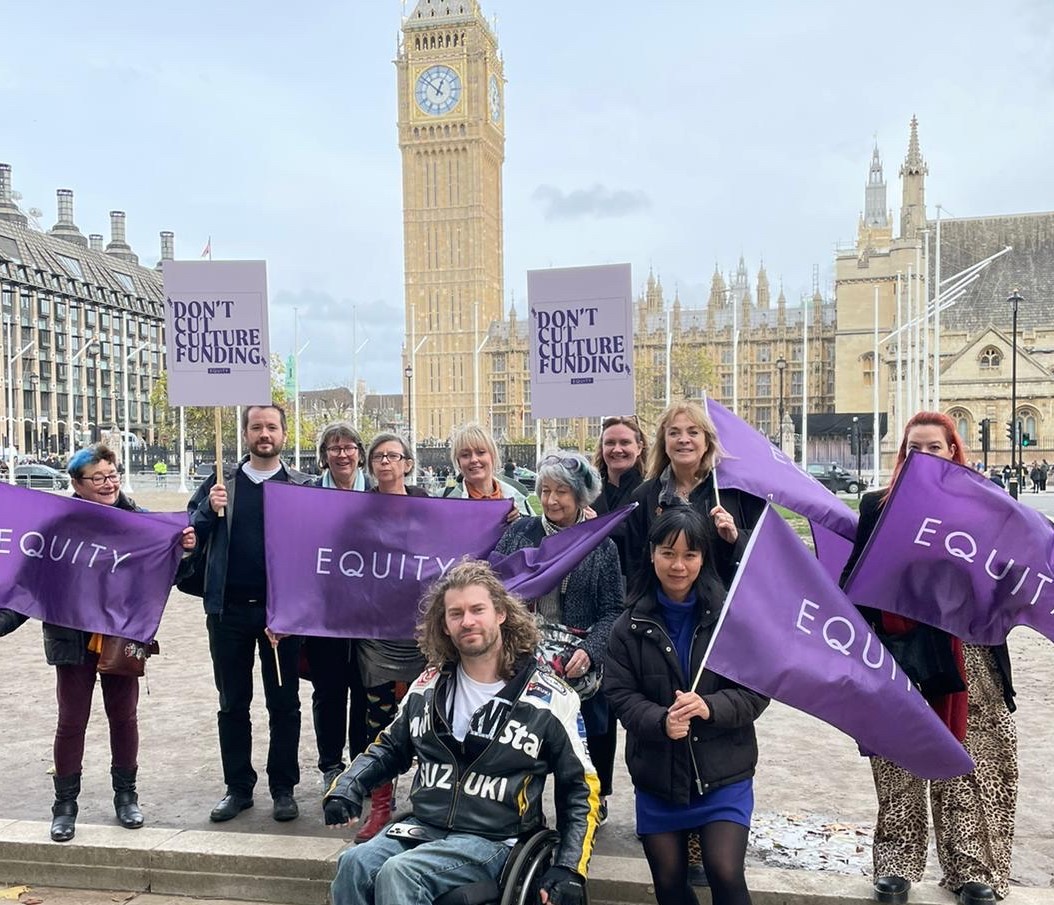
691 751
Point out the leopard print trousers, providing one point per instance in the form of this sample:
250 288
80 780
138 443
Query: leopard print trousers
973 815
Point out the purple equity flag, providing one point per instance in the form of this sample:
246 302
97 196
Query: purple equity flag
789 632
953 550
354 565
755 465
533 571
580 336
216 342
84 565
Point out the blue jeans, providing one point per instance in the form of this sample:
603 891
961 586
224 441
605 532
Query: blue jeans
386 871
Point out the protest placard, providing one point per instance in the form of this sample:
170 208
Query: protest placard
580 334
216 340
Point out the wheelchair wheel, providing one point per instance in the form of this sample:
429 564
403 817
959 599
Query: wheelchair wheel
520 878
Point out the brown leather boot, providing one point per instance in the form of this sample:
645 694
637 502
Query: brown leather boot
380 813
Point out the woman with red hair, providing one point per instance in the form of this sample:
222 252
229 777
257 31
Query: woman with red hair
970 688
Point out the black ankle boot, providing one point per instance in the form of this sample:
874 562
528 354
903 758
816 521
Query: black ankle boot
975 894
125 798
892 890
64 810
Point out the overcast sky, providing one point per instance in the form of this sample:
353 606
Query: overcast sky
672 134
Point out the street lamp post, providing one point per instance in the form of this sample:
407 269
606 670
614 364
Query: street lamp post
781 366
126 446
409 372
1015 299
11 359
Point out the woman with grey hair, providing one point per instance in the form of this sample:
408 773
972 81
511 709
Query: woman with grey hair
338 701
589 598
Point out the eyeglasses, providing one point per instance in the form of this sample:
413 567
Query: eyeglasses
98 480
388 457
342 450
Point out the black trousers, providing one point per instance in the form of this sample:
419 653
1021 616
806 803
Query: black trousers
338 703
235 638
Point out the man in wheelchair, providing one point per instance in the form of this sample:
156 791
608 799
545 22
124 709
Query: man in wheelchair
487 726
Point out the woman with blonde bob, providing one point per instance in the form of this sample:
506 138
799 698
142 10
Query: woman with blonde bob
681 472
474 455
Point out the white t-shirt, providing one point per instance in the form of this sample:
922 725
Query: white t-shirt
254 474
469 696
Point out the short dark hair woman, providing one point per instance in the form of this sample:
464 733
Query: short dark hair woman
338 699
387 666
75 655
691 751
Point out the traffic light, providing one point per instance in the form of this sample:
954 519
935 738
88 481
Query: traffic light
1010 433
983 435
1026 439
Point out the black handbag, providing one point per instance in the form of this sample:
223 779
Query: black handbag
926 657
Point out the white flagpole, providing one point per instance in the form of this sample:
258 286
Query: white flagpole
805 385
713 471
731 593
900 360
937 319
874 398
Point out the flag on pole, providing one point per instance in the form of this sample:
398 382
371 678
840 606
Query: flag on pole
753 464
953 550
788 631
206 252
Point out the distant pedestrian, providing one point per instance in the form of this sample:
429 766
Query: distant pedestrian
160 472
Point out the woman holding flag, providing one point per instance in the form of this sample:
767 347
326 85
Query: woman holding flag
970 688
682 469
338 699
75 656
387 665
691 749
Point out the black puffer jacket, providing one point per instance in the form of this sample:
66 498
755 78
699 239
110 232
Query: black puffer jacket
62 646
642 672
744 508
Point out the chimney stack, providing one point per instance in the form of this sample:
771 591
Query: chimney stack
65 228
168 247
8 209
95 241
118 247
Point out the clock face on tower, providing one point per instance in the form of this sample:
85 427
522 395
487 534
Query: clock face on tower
438 90
494 99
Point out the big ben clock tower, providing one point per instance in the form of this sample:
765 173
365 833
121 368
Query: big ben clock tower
452 138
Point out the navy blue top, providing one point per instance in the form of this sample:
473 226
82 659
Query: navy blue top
680 624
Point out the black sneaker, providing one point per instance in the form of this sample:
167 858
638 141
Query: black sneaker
603 811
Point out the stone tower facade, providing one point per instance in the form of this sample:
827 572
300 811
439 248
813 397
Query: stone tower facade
451 93
879 262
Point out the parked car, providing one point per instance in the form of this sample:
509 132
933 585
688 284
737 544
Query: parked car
526 478
42 477
837 479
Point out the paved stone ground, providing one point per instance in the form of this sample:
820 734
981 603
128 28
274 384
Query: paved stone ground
815 799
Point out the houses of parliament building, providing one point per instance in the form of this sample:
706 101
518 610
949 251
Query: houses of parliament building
467 353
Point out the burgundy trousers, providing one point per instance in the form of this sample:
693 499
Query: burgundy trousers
74 687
